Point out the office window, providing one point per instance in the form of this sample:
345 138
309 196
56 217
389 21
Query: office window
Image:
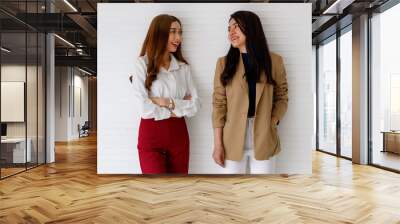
346 94
385 88
327 96
13 147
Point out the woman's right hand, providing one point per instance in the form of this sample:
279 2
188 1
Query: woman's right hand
219 154
219 150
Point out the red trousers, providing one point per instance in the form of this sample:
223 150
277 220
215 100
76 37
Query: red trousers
163 146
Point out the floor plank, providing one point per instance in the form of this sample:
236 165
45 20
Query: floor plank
70 191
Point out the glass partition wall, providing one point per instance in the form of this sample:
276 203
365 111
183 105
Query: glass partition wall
22 78
385 90
334 89
327 95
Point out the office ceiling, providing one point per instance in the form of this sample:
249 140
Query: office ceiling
76 21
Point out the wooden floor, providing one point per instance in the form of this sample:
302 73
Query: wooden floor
70 191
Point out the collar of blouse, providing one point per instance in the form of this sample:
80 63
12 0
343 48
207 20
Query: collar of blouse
174 65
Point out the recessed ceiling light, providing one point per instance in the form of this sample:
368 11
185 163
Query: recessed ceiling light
5 50
84 71
70 5
64 40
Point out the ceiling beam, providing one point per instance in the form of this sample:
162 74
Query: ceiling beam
84 61
86 26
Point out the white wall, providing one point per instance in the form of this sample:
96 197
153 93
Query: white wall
18 73
80 84
121 31
61 103
67 81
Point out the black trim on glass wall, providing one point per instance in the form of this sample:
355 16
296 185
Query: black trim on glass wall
385 168
338 67
369 89
317 96
45 96
45 87
37 92
26 89
329 153
73 91
37 95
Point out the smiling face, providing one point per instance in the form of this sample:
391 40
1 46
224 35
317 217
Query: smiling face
235 35
175 37
163 38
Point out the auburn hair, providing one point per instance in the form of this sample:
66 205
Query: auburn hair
155 46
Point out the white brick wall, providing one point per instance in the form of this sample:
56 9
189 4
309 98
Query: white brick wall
121 31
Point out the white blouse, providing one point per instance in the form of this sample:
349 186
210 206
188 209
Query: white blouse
175 83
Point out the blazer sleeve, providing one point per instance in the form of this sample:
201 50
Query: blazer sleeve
280 97
219 98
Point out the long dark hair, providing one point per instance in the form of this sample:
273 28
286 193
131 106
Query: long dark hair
257 48
155 45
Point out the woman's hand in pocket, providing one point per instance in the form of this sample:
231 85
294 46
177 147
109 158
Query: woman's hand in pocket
274 121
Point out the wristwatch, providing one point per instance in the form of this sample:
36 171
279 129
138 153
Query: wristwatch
170 104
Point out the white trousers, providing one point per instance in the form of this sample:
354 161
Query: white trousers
248 164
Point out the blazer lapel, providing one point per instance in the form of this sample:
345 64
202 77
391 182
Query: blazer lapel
240 72
243 82
260 88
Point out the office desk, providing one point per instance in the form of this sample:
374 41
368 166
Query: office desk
15 148
391 141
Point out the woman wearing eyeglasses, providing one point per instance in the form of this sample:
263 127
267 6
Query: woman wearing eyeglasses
250 98
163 82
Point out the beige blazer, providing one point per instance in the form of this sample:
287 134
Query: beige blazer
230 106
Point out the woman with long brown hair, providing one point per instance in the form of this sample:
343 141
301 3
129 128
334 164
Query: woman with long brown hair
163 83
